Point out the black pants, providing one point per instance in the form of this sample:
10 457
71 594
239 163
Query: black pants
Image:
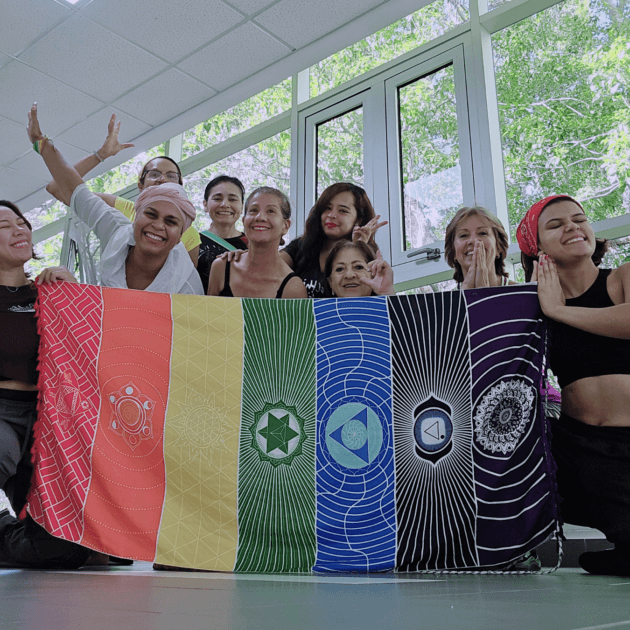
25 543
594 476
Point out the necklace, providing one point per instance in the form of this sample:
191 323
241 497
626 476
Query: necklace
12 289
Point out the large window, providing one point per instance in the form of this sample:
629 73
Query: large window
563 87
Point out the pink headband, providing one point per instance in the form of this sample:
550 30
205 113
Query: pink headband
172 193
527 230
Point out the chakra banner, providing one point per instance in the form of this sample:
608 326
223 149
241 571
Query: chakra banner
363 434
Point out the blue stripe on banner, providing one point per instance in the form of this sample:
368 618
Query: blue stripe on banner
355 520
511 456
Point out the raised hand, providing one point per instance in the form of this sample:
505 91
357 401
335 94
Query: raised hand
112 146
366 232
550 292
482 277
33 130
471 275
382 280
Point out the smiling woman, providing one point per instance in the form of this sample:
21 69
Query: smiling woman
145 255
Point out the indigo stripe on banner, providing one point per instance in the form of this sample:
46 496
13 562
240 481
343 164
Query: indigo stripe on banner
435 495
276 472
513 487
356 524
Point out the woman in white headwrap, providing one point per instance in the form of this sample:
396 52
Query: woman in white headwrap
146 254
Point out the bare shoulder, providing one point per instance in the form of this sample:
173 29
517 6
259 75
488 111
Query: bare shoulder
295 289
620 281
217 276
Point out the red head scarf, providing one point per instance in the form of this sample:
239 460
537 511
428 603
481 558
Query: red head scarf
527 230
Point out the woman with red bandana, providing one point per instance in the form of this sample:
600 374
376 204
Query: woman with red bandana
589 309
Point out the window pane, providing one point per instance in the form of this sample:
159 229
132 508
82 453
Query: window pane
46 213
264 164
340 150
431 174
49 252
391 42
253 111
125 174
563 88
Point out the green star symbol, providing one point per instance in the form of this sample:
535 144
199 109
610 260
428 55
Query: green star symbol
278 433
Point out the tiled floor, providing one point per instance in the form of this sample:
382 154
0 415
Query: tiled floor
138 598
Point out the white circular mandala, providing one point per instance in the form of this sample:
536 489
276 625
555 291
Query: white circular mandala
502 416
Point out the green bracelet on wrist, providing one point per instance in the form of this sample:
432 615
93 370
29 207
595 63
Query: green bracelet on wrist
38 144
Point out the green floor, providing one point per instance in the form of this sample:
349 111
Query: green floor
138 598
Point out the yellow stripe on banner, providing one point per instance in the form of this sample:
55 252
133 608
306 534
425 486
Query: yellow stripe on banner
199 527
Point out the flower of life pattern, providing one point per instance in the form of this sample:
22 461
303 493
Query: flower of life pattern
70 319
435 495
276 502
356 520
515 498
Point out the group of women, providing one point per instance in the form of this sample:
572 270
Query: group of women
152 247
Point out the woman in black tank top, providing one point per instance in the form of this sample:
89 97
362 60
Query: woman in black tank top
589 309
260 271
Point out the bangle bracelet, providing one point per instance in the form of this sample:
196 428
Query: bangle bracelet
98 157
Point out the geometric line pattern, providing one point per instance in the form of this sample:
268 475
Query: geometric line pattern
69 320
276 486
356 520
435 494
199 524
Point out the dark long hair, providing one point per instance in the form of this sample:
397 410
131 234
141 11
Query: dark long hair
500 236
313 239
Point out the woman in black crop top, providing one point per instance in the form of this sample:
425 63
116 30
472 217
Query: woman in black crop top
22 543
589 311
260 271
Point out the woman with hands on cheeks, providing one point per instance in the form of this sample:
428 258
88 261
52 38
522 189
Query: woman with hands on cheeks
259 271
22 543
589 309
475 245
353 270
145 255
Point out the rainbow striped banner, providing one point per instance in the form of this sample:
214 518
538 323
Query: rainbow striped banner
401 433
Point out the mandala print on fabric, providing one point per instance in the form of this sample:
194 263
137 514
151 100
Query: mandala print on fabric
68 400
131 415
503 414
278 433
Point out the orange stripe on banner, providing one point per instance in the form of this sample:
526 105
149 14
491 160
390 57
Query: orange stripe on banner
124 502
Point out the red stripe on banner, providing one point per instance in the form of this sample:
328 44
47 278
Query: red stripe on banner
69 322
124 503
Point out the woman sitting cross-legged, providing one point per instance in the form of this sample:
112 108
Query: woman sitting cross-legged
353 270
589 309
145 255
260 271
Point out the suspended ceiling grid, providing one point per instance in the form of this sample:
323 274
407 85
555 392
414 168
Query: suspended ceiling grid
161 66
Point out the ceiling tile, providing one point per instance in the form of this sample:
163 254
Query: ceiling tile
299 23
90 134
25 20
15 185
223 63
4 60
251 6
33 164
13 141
183 27
91 59
60 106
164 97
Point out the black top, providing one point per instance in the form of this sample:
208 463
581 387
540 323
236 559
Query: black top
311 274
226 291
577 354
19 340
209 250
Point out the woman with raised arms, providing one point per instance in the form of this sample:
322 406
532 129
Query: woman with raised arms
145 255
260 271
158 170
589 309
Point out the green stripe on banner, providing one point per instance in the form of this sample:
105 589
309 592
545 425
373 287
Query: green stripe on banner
276 475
